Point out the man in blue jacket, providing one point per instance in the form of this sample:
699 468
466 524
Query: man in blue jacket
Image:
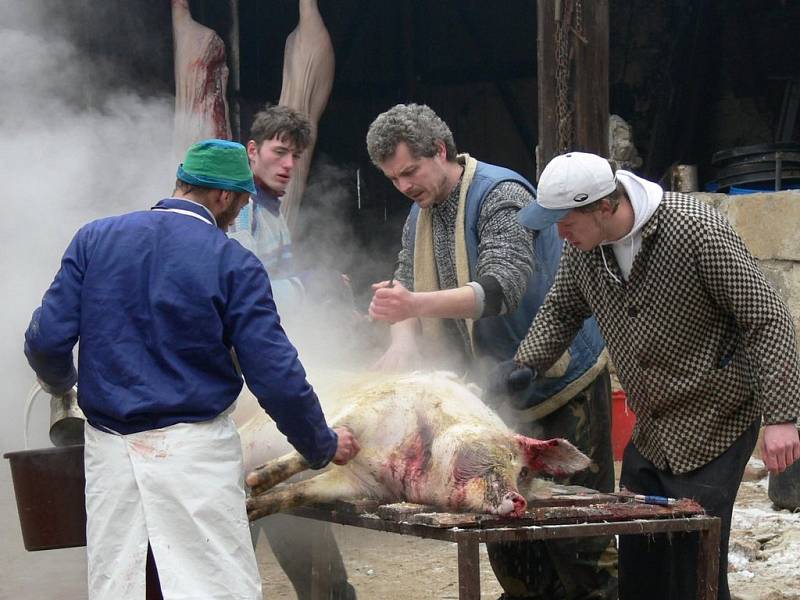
469 281
159 299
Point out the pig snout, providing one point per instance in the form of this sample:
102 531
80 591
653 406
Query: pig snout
512 504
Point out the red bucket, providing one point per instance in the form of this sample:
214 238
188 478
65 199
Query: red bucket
622 421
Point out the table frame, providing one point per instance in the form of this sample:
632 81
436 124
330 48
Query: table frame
469 539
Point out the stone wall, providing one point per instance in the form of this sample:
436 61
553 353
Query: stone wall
770 226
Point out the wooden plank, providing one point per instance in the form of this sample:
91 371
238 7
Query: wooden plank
558 514
401 510
617 511
442 519
576 530
362 505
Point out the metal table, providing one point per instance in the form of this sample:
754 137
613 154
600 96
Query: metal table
563 515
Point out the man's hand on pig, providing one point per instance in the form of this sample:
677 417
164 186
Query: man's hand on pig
392 302
781 446
508 381
347 447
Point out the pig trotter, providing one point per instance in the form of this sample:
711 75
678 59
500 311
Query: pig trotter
275 471
324 487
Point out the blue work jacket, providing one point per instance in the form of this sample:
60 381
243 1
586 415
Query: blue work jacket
159 299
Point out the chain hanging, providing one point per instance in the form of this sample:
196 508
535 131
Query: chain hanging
568 23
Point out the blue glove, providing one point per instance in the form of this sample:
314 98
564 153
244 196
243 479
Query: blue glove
508 381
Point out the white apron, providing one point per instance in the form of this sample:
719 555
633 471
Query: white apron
182 488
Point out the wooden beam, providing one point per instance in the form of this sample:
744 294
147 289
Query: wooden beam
469 568
546 81
588 84
591 80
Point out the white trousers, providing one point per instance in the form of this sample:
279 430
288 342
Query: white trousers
181 488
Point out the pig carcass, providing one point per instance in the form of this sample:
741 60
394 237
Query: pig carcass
261 440
201 79
425 438
308 69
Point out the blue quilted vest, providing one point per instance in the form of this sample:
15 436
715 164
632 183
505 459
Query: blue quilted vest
497 338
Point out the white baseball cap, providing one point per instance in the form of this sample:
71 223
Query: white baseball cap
568 181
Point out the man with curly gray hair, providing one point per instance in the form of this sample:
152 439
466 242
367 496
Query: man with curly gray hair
416 125
468 283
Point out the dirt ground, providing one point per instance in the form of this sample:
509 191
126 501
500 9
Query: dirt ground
386 566
764 558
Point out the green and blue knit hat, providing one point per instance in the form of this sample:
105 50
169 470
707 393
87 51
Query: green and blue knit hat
217 164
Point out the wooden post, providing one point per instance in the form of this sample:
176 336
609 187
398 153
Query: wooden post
708 562
546 81
591 80
469 567
588 84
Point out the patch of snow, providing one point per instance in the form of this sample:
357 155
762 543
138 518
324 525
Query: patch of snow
764 546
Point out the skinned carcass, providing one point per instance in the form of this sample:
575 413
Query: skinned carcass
201 79
425 438
308 70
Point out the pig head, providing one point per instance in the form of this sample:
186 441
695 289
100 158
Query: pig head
425 438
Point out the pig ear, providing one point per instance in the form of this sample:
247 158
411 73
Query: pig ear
556 457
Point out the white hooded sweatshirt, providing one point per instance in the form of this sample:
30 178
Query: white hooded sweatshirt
645 196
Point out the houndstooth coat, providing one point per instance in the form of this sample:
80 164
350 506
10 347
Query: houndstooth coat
702 343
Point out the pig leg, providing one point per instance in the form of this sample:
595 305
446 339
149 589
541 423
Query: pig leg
275 471
556 457
325 487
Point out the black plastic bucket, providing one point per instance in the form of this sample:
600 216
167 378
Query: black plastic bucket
784 488
49 487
